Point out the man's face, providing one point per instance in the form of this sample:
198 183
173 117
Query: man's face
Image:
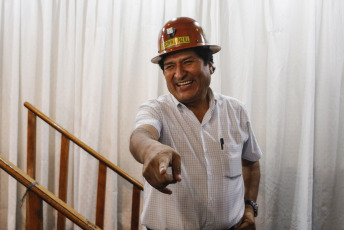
187 77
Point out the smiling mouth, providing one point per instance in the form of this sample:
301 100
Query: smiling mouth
184 83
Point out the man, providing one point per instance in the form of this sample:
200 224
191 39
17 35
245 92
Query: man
199 154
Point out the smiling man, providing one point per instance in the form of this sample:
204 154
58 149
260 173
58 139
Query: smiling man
199 153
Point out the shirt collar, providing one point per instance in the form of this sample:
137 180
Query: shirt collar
212 99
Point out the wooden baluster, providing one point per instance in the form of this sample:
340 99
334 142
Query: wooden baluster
101 195
135 208
63 181
34 205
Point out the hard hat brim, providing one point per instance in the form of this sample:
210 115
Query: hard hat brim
213 48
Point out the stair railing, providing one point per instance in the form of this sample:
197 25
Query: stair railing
34 204
45 195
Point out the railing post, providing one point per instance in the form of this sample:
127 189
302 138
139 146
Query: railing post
135 208
63 180
101 195
34 205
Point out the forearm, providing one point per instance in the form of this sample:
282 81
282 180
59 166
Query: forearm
251 175
142 140
155 157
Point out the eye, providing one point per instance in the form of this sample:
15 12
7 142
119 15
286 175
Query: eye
168 67
188 61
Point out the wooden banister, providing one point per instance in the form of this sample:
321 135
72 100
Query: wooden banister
84 146
45 195
103 165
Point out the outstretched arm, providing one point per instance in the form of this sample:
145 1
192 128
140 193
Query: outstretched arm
155 157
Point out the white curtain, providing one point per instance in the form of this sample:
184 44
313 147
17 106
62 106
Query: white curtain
86 64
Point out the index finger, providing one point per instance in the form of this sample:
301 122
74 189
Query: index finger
163 165
176 167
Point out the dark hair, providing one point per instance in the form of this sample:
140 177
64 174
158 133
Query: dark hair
203 52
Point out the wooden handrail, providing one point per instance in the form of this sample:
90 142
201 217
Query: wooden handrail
45 194
84 146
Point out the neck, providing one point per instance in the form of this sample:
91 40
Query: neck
200 108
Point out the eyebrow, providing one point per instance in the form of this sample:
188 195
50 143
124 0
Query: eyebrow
167 63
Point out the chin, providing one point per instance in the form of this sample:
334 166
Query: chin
185 101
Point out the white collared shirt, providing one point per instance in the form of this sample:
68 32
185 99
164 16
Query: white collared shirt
211 192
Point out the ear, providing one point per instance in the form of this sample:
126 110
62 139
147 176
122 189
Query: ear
211 68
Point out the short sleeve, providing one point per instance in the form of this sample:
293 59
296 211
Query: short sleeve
251 150
149 114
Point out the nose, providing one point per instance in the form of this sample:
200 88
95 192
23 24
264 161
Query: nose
180 72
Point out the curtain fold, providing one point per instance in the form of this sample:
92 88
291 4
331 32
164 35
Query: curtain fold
328 154
86 64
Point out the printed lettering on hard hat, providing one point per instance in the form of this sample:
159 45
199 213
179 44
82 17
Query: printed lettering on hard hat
174 42
171 32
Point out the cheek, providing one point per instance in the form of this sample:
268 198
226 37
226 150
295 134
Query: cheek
169 82
207 76
168 75
167 78
206 82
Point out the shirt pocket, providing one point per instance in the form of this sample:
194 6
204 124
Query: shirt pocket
231 160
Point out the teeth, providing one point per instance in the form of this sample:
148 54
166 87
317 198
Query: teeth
184 83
